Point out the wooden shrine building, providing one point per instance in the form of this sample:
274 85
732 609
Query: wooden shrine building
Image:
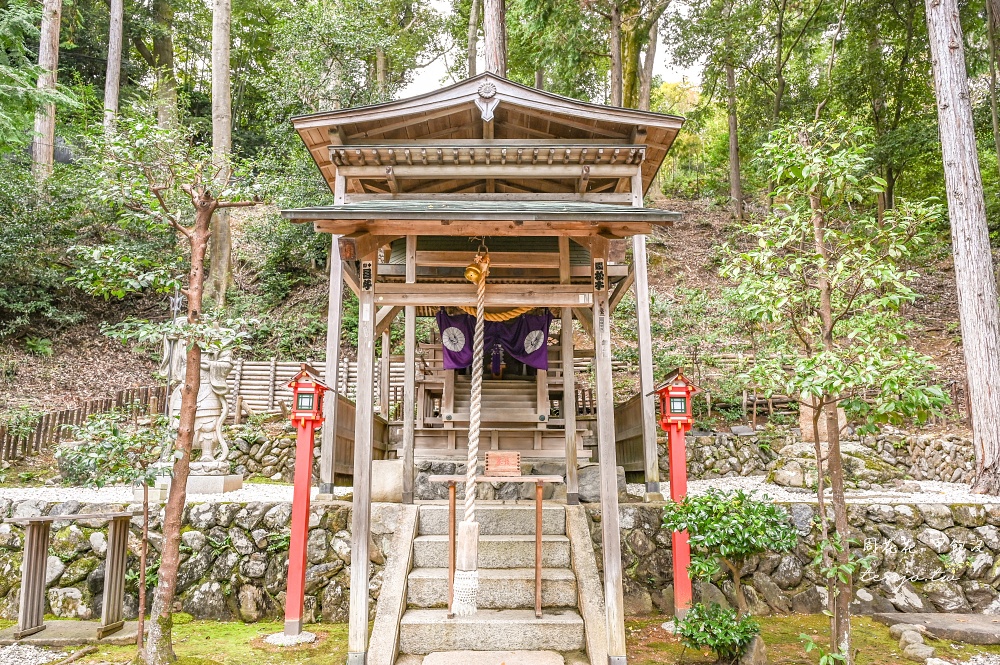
553 188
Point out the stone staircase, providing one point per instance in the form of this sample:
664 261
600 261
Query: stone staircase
506 619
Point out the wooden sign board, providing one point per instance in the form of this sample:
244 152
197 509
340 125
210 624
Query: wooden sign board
503 463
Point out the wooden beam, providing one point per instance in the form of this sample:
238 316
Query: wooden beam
569 407
613 594
383 382
497 170
362 243
586 319
357 638
592 196
497 259
328 434
581 187
350 275
431 227
385 317
409 374
621 289
413 119
498 295
646 385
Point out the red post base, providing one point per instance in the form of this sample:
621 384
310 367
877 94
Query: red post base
679 540
295 595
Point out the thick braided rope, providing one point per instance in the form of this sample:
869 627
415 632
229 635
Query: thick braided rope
498 317
475 406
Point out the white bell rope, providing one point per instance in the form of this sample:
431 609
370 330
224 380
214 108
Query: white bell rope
467 576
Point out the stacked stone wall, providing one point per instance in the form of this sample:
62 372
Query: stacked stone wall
925 558
234 558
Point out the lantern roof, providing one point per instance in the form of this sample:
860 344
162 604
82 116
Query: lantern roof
676 377
307 374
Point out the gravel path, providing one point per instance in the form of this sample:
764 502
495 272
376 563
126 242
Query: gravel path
931 492
21 654
250 492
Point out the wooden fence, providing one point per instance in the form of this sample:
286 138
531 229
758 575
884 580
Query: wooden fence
48 429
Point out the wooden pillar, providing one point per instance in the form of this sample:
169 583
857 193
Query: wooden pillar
31 611
357 640
115 561
384 374
613 595
646 386
409 373
328 434
569 407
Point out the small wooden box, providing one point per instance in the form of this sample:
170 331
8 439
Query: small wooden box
503 463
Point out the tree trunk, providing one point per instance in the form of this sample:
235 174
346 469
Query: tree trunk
43 145
646 75
381 74
841 634
494 33
220 263
840 637
140 631
735 179
616 55
991 33
112 79
163 61
539 79
159 648
779 65
979 313
473 46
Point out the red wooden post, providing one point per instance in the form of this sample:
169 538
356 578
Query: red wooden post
676 419
307 413
295 593
679 539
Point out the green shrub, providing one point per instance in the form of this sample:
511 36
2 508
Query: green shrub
729 527
722 630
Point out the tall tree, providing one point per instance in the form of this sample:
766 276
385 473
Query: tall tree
112 80
978 308
495 34
160 59
43 146
152 172
992 28
472 47
222 145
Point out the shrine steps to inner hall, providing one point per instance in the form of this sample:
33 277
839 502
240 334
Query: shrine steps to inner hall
572 622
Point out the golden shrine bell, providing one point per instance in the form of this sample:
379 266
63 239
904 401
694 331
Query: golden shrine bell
477 271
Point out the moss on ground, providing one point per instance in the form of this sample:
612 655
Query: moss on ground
233 643
649 644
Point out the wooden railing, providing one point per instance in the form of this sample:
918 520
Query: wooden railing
48 429
628 434
344 451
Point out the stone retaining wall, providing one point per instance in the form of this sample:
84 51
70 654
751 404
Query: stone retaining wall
234 559
926 558
267 456
874 459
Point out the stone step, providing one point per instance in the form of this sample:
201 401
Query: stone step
496 520
496 551
494 658
425 631
511 588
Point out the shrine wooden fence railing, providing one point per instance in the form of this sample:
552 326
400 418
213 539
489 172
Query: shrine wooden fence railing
20 441
260 386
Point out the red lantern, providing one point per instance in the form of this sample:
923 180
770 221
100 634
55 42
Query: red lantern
675 401
307 414
307 396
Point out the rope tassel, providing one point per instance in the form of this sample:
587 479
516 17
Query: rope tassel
467 556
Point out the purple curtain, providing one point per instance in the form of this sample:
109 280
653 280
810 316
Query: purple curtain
524 337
